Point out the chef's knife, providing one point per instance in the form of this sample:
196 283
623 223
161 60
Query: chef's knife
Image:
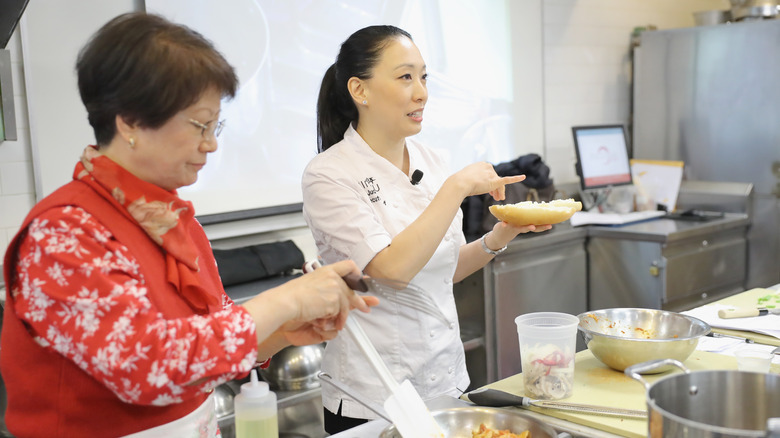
396 291
746 312
498 399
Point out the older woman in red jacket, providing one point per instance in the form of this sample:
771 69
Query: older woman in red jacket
116 321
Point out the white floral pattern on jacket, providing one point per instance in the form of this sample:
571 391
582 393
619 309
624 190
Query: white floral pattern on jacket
82 295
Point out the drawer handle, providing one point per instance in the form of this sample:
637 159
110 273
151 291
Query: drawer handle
655 269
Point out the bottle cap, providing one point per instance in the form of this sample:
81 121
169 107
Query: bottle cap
254 388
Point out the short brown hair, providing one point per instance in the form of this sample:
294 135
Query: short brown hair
146 69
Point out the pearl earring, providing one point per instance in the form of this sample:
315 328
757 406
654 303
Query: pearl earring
365 102
132 142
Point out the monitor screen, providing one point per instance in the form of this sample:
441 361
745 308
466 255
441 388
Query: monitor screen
10 12
602 156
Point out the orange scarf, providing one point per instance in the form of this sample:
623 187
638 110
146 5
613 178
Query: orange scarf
162 215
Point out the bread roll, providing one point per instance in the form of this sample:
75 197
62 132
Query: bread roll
536 213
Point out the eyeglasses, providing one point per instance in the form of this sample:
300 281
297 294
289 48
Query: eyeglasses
213 127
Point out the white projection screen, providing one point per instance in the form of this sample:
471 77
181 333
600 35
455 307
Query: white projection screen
281 49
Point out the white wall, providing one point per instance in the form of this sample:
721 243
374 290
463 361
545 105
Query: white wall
17 189
576 71
587 64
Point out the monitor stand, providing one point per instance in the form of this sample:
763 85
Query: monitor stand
619 199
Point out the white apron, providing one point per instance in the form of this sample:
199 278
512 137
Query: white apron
200 423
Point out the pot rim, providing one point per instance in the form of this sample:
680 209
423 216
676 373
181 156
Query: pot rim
699 425
687 422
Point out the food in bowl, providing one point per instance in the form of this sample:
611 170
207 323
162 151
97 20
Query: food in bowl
622 337
486 432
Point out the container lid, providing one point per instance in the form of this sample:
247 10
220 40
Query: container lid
254 388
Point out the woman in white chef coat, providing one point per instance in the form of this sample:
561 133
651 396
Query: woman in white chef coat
363 201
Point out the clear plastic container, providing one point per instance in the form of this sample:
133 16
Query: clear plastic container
548 341
753 359
255 410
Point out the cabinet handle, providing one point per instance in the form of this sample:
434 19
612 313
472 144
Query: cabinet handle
655 269
704 243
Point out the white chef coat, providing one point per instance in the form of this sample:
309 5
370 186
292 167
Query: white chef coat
355 202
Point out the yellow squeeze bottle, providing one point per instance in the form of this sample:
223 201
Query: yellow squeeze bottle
255 410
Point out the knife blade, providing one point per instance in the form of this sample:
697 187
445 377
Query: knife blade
498 399
396 291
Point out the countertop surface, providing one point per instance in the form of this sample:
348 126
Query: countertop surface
597 384
669 230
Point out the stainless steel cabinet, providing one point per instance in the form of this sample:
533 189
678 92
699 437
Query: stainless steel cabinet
667 264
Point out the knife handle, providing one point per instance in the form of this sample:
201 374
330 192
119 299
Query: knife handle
494 398
354 281
740 313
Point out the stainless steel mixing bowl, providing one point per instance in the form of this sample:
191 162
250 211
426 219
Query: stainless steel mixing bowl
623 337
294 368
461 422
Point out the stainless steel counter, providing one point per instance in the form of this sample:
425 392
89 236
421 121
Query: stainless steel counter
559 233
667 264
670 230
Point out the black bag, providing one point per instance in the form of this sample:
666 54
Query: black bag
250 263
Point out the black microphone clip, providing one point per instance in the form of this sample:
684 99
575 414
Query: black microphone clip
416 177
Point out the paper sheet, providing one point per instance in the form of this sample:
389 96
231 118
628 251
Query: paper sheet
767 324
594 218
730 346
660 180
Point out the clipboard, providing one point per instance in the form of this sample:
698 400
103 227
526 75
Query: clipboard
659 180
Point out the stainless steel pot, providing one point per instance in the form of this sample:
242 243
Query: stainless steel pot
754 9
718 403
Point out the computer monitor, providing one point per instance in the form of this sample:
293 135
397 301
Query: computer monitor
602 156
10 13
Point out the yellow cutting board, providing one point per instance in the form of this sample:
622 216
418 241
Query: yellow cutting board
597 384
748 300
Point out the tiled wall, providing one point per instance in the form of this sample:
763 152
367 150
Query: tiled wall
17 190
586 68
587 64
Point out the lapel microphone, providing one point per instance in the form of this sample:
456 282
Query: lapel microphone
416 177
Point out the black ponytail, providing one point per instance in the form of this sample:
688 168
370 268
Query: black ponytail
335 111
357 58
